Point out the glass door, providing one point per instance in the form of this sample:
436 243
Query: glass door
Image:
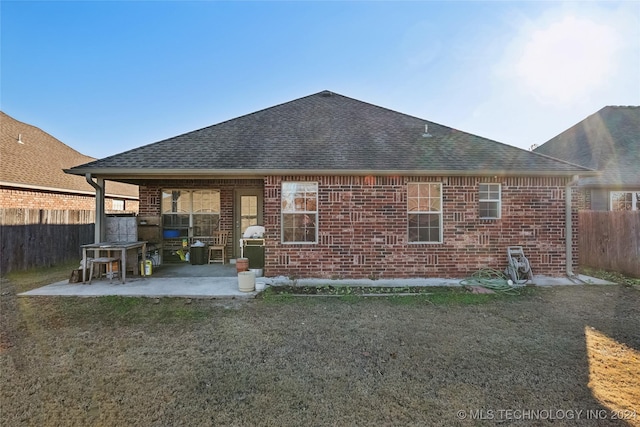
248 212
187 215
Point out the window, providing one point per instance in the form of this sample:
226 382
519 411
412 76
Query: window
117 205
625 201
424 209
489 201
248 211
191 213
299 212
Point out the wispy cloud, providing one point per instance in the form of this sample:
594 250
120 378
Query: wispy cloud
558 67
564 61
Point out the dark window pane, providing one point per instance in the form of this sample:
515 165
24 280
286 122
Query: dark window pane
299 227
424 228
488 209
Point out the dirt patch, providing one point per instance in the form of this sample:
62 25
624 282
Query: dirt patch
550 355
330 290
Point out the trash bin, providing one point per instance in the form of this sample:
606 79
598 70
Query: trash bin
198 255
255 255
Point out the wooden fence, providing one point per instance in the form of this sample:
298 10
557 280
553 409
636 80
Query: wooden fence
41 238
610 241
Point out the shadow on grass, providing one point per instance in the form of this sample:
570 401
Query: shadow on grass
119 310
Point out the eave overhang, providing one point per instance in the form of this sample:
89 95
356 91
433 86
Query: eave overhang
155 174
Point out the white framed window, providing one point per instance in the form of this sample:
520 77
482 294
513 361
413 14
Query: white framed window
490 201
117 205
189 213
299 212
624 200
424 212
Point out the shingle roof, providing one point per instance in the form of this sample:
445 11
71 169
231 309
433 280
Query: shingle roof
32 158
608 140
331 133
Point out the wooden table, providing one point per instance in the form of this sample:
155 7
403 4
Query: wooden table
109 247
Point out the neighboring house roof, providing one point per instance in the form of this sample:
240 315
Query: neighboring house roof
31 158
325 133
608 140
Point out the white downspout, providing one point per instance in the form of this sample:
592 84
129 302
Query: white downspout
569 226
100 232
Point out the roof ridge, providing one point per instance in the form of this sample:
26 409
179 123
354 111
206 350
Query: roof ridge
326 131
36 128
39 161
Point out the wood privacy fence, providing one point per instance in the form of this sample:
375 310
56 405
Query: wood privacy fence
41 238
610 241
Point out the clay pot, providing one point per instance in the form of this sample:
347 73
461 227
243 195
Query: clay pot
242 264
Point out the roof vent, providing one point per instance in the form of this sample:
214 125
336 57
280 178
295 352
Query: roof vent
426 133
326 93
20 139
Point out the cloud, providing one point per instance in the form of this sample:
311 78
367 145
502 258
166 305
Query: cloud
564 61
559 66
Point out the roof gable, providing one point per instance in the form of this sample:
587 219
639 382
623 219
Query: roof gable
331 133
608 140
32 158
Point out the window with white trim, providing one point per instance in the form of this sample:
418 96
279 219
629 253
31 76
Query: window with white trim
190 212
424 212
625 201
489 201
299 212
117 205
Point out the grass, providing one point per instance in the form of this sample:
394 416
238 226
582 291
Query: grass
110 309
440 295
348 360
611 276
22 281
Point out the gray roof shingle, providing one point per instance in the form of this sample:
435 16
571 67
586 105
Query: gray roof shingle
608 140
332 133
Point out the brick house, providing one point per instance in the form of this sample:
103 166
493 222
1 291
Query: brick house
608 141
32 175
347 189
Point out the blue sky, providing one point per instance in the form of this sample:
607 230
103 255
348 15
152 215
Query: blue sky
106 77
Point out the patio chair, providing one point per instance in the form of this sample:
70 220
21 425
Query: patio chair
108 263
218 244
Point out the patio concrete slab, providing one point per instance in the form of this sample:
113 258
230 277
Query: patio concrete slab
156 287
227 286
537 281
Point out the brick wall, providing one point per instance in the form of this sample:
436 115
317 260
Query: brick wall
582 198
36 199
363 229
362 226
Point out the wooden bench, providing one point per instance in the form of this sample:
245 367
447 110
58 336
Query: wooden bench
108 262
